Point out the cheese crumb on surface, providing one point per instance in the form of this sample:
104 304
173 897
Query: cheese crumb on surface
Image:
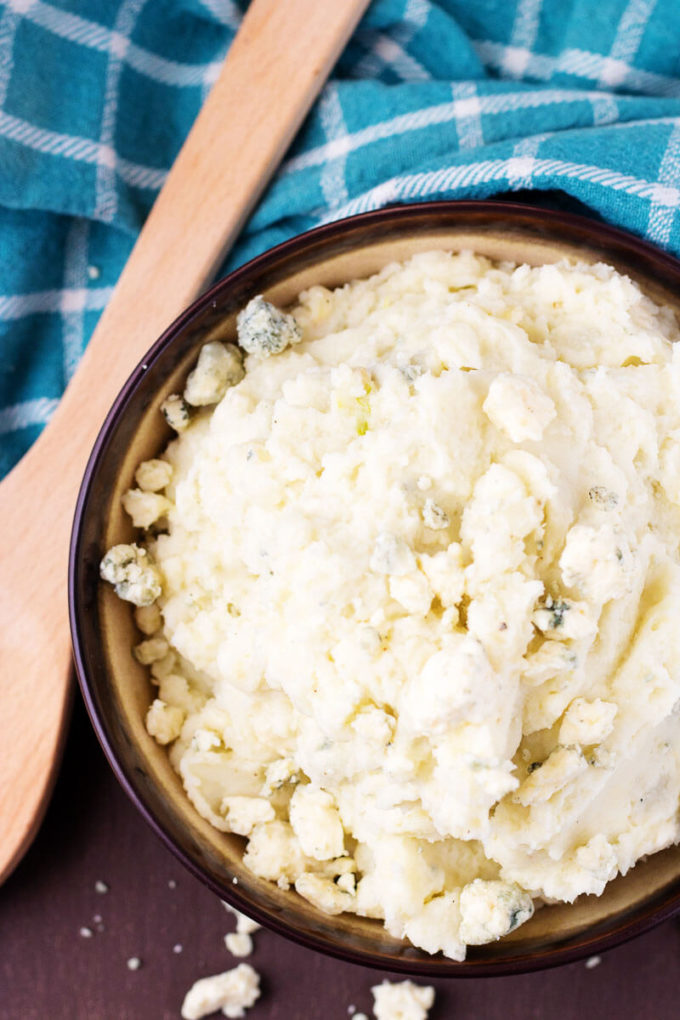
238 943
244 924
233 991
402 1000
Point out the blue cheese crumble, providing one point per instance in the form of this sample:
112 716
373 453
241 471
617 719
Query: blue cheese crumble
219 367
135 577
490 910
176 412
417 636
263 329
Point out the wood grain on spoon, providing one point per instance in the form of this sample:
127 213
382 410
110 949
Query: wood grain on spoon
275 67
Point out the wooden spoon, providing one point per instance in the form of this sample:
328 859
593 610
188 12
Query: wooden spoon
275 67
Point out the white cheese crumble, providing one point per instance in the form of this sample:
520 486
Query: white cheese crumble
324 893
402 1000
316 823
434 517
587 722
392 555
164 722
145 508
233 991
153 650
153 475
244 813
519 406
238 943
244 924
148 619
420 585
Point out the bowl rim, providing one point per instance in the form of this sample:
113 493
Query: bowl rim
574 948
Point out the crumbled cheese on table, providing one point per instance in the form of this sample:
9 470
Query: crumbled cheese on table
402 1000
244 924
233 991
238 943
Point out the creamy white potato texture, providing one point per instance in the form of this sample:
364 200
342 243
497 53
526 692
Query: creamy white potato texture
421 592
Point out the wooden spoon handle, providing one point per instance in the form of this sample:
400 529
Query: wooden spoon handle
275 67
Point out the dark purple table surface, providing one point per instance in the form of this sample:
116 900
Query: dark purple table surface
92 832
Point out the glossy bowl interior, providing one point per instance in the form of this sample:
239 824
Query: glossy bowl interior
117 690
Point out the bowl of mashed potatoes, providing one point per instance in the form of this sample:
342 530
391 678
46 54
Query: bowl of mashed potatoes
374 585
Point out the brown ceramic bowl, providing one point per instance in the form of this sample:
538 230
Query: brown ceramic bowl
116 688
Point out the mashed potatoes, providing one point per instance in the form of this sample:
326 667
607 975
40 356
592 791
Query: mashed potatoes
421 591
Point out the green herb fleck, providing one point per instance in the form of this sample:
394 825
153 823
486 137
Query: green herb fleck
558 609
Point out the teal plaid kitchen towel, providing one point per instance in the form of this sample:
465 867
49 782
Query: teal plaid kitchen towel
579 99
